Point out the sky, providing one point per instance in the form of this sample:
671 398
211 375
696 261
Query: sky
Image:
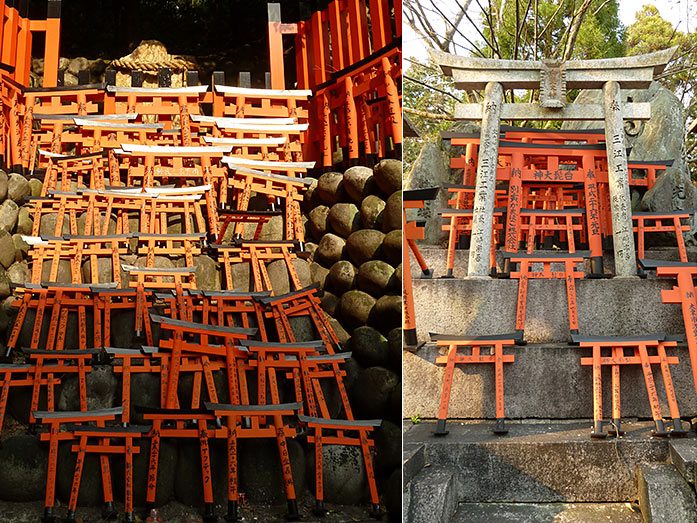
675 11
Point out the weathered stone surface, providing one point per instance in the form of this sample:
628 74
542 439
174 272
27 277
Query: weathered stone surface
341 333
394 349
35 186
363 246
18 188
539 462
344 474
368 347
208 275
372 208
388 444
673 191
78 64
392 215
664 496
260 470
318 274
387 313
683 454
430 169
280 279
241 277
329 302
101 390
392 247
374 277
4 181
91 493
371 391
48 224
9 211
433 496
388 175
358 182
7 249
25 222
311 198
330 250
21 247
342 277
317 222
355 308
4 286
64 274
187 484
395 286
105 271
393 497
23 473
330 188
344 219
19 273
545 512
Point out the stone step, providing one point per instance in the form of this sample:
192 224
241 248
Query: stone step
545 381
547 512
431 496
550 462
413 461
618 306
664 495
683 455
436 258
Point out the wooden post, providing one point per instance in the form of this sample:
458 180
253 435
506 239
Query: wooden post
618 181
485 192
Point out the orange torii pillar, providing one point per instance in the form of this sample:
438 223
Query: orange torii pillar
276 31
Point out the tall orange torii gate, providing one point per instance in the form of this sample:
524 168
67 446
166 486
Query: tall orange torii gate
552 78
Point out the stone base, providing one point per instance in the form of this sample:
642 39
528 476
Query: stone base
546 512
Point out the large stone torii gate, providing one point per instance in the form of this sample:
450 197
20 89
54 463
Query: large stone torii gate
553 78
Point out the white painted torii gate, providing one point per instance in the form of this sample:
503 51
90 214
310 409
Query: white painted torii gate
553 78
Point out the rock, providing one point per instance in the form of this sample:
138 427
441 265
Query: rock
18 188
374 277
105 272
311 198
345 480
166 473
25 222
241 280
392 215
372 208
47 227
318 274
395 285
355 308
344 219
339 330
358 182
4 181
70 80
392 247
273 230
9 212
393 496
341 277
19 273
303 328
63 275
330 249
387 313
310 248
353 370
329 302
394 404
388 445
394 349
23 473
145 392
280 279
35 187
207 273
188 487
260 470
7 249
330 188
431 169
91 493
363 246
317 221
101 390
368 347
4 289
371 391
78 64
388 175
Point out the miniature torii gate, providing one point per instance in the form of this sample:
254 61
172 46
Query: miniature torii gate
553 78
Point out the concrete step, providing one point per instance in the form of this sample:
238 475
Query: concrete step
437 259
664 495
545 381
550 462
547 512
683 455
432 496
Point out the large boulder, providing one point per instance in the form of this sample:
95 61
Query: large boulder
392 215
207 273
9 212
370 393
4 180
355 308
392 247
25 222
374 276
260 470
330 250
23 471
358 182
18 188
388 176
430 169
101 390
344 219
368 347
341 277
372 208
330 188
363 246
7 249
317 221
387 313
345 479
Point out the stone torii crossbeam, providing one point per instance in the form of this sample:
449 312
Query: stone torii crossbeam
552 78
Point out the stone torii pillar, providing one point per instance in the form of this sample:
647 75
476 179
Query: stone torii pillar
552 78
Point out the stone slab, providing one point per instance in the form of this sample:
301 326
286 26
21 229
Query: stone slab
683 454
413 461
540 462
546 512
544 381
433 496
605 307
664 495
